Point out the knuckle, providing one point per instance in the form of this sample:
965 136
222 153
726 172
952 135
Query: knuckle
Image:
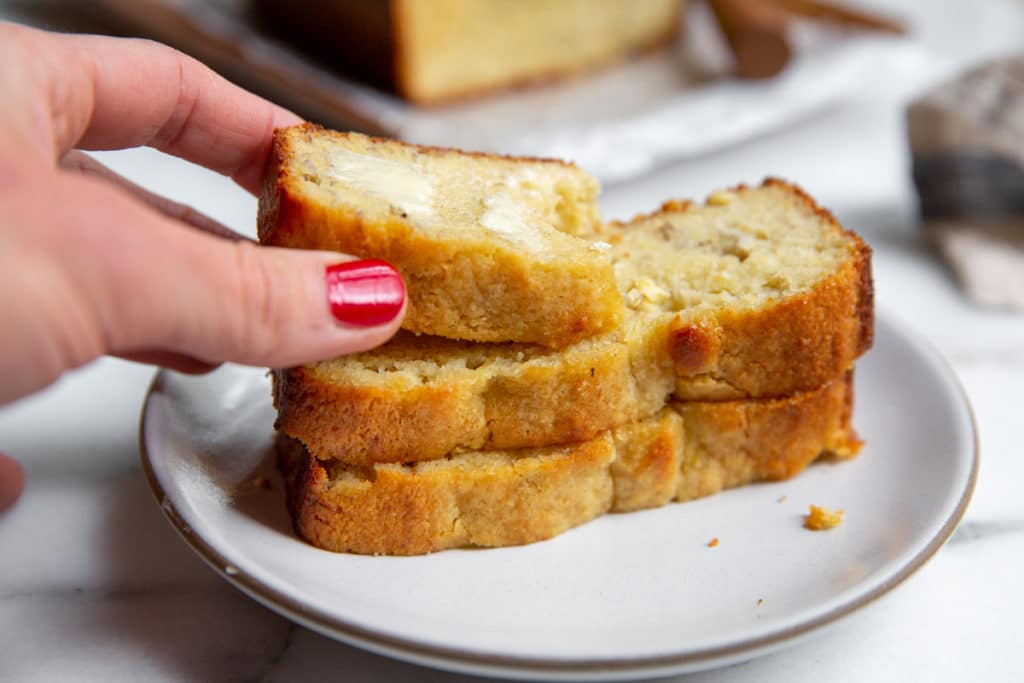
262 313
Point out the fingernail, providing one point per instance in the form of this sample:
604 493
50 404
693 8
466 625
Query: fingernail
364 293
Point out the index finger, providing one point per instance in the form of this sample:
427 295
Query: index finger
144 93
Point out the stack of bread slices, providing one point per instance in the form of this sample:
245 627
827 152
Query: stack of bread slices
553 368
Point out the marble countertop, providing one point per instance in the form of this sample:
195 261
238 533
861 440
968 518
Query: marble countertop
96 586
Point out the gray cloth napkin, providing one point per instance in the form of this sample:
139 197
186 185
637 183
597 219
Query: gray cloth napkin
967 141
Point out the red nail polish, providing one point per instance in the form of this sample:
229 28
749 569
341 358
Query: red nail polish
364 293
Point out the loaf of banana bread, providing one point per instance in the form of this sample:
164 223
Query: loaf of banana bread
429 51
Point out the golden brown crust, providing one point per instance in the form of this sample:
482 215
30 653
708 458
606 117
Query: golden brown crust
494 499
696 449
366 424
649 455
694 346
862 275
454 289
795 344
733 443
472 500
534 403
280 137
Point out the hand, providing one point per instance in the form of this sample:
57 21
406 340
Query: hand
93 265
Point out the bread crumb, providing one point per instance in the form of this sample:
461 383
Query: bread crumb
780 499
713 543
821 519
720 198
645 289
634 298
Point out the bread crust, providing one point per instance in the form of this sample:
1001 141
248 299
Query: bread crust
549 399
455 289
517 497
733 443
649 455
412 510
796 343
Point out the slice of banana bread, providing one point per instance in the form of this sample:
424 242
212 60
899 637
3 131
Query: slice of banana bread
487 245
420 398
765 294
514 497
480 498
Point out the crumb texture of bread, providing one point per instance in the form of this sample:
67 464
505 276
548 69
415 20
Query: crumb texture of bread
767 294
501 498
490 247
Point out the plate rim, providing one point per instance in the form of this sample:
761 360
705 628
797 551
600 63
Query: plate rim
460 659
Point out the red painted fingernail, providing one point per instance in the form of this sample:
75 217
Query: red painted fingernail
364 293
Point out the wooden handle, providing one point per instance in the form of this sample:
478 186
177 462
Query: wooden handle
756 33
836 14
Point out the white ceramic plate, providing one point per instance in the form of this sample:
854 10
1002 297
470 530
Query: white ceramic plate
627 595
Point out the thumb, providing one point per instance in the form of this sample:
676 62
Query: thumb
217 301
187 292
130 281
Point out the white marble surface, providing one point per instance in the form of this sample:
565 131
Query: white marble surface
95 585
